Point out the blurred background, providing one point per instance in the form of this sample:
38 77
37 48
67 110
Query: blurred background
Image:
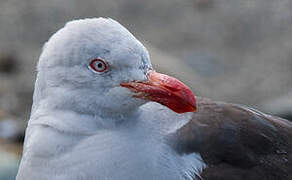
228 50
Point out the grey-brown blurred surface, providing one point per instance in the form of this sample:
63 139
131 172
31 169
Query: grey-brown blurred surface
231 50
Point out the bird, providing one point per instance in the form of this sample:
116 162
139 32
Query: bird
101 112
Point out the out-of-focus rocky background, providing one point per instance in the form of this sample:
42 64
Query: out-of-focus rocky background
230 50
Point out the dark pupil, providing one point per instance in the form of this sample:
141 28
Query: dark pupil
99 65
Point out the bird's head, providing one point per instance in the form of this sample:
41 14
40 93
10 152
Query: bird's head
97 66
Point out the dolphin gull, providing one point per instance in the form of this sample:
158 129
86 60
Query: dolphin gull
101 112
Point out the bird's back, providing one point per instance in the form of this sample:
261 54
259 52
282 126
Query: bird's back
237 142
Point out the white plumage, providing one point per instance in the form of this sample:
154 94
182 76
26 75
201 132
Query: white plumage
84 125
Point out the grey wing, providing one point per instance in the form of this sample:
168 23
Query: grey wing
237 142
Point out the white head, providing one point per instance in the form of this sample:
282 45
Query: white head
86 65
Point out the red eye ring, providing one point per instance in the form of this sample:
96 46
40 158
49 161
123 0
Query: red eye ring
98 65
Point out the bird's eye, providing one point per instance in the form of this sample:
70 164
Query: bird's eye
98 65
